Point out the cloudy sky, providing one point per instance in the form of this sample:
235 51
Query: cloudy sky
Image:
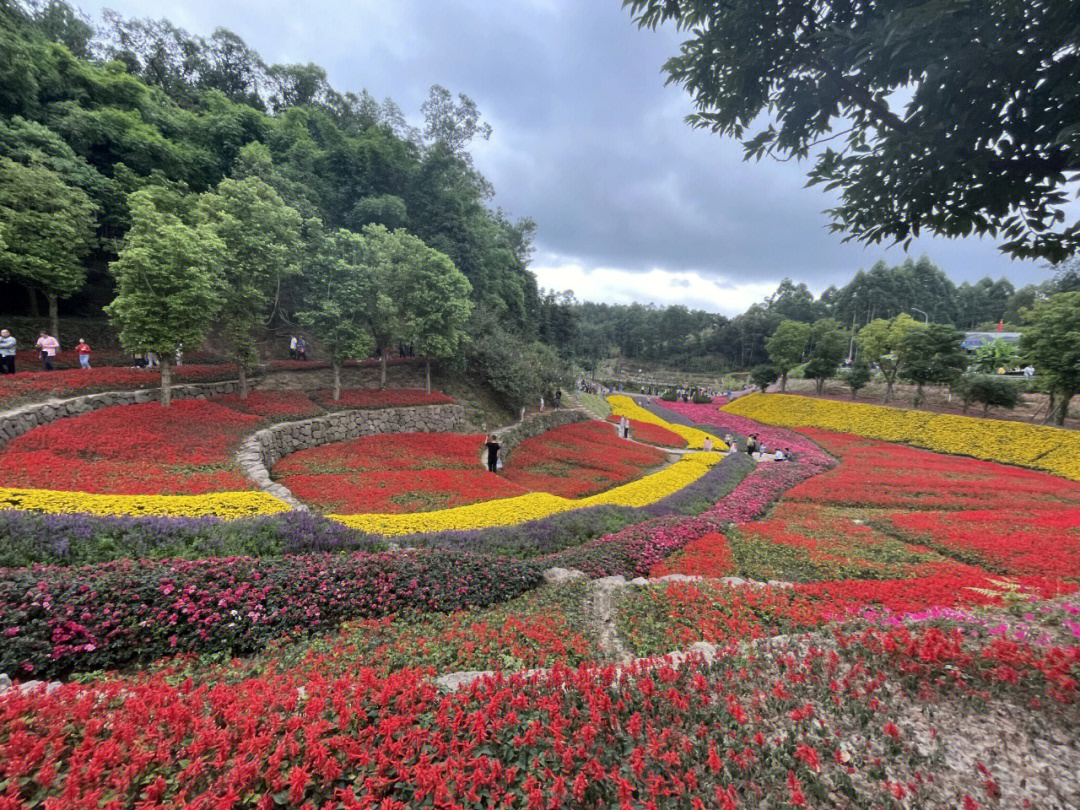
630 203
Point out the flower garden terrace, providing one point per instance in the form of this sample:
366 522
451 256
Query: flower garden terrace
894 599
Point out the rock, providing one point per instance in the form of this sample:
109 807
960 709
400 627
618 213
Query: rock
639 582
680 578
610 582
558 576
705 649
733 581
453 681
779 583
5 682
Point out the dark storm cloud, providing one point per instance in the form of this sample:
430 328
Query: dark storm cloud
588 140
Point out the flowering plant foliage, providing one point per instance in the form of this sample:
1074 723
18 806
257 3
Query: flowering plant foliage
708 556
695 437
27 385
56 619
1052 449
276 405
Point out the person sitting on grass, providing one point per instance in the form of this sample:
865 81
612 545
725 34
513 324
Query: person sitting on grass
779 456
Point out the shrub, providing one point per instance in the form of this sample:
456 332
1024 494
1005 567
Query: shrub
988 391
669 395
763 376
857 376
700 398
56 620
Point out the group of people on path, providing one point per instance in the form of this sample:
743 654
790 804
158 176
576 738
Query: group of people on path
46 344
756 448
297 348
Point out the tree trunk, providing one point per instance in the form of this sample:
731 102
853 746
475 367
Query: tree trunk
337 380
35 312
241 375
54 315
1051 399
820 382
918 395
382 370
1063 408
166 381
427 375
888 390
783 382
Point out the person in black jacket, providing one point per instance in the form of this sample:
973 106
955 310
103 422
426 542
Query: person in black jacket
493 454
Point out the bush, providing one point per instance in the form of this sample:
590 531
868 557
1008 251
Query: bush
80 539
857 376
701 399
516 371
987 390
669 395
763 376
57 620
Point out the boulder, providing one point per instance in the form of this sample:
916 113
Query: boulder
558 576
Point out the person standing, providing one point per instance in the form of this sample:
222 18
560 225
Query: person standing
292 347
493 447
541 404
7 352
301 349
751 444
48 346
625 424
82 351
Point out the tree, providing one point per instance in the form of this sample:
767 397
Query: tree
828 344
262 241
1052 345
858 376
988 390
763 376
931 355
786 348
338 270
434 305
995 355
986 141
49 226
880 343
391 256
168 289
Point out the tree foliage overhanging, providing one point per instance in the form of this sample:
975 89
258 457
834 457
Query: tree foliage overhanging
950 117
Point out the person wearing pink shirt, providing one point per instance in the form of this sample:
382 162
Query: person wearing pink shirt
48 346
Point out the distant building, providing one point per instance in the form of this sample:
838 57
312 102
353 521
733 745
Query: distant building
976 340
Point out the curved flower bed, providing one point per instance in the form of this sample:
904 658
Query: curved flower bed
57 619
536 505
224 505
695 439
15 388
1045 448
407 473
651 434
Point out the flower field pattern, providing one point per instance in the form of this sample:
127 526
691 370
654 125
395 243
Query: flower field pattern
651 434
695 438
1045 448
223 505
30 385
536 505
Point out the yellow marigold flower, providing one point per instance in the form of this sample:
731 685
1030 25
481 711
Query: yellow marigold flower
225 505
695 439
536 505
1042 448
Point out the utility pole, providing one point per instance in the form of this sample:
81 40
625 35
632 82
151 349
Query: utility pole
926 318
854 314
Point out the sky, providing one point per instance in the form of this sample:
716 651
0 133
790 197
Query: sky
631 204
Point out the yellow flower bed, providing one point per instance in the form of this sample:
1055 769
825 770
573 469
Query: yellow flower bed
227 505
536 505
1043 448
695 439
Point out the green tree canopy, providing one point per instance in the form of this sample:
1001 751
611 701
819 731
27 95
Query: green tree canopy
1052 345
880 341
787 346
168 286
929 355
261 236
828 344
48 225
340 282
959 117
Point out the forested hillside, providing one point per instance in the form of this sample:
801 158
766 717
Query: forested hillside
87 117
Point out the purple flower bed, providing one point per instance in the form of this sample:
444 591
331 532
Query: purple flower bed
37 538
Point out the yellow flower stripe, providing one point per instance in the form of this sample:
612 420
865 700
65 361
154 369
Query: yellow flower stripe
695 439
536 505
227 505
1043 448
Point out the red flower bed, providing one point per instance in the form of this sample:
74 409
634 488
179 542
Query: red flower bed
77 381
578 460
277 405
374 398
651 434
185 449
708 556
393 473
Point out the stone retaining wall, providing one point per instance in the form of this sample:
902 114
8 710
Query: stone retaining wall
263 449
17 421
